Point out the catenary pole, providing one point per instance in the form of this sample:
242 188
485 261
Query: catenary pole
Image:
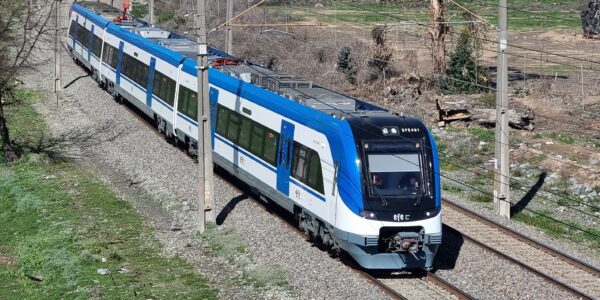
151 11
502 188
57 58
228 17
205 165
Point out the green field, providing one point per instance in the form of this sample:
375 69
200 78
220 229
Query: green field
522 14
60 226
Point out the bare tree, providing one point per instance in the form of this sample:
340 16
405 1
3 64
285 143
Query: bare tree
23 27
438 35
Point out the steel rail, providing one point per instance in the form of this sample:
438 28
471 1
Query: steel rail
531 242
460 294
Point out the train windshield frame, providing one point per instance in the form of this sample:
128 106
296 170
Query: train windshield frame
398 176
395 174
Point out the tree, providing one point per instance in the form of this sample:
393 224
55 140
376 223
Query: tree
345 64
22 29
438 35
462 75
380 52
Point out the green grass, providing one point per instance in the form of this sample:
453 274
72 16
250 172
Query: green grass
523 14
481 197
483 134
561 137
60 225
553 228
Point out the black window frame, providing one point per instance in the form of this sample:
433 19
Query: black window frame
135 70
259 136
187 103
307 155
111 55
164 88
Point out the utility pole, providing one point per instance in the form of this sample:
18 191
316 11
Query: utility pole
228 17
205 163
57 58
501 165
151 11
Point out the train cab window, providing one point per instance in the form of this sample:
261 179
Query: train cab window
306 167
187 103
164 88
83 36
245 133
395 174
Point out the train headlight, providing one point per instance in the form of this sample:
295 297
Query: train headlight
368 215
386 131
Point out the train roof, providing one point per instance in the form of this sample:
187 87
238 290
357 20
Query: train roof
180 47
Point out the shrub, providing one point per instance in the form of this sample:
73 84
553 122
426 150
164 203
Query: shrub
463 76
345 64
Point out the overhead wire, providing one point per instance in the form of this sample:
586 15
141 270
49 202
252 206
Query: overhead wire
556 194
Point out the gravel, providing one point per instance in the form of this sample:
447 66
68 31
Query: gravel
159 181
268 260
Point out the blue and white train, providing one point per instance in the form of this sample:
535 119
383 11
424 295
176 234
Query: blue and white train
357 177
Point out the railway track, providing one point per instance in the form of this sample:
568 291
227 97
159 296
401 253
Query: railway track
414 285
560 269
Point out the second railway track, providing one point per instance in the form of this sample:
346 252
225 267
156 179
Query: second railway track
578 278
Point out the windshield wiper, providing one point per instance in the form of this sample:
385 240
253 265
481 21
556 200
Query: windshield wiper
419 197
383 201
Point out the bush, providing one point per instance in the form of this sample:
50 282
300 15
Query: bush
139 10
345 64
463 77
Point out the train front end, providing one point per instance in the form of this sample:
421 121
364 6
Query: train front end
398 224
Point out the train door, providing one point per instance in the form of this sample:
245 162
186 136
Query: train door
213 96
284 157
150 82
119 63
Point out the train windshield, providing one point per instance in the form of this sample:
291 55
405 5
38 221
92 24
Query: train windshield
396 174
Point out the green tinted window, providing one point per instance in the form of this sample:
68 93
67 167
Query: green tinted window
257 141
164 88
306 167
188 104
270 147
315 175
233 129
222 120
245 133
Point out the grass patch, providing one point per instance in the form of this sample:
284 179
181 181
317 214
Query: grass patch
560 137
538 220
451 188
523 14
222 242
481 197
260 277
60 225
553 228
483 134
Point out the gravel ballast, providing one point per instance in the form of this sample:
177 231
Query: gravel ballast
266 258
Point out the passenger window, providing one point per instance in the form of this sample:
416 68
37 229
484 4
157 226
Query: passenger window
256 144
188 104
270 148
299 164
222 120
315 175
245 131
233 128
